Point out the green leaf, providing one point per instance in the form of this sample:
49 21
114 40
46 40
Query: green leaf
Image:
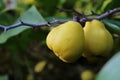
4 77
105 5
1 5
102 5
111 70
113 4
48 8
112 25
63 19
99 7
31 16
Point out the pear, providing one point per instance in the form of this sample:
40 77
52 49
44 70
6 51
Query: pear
98 40
67 41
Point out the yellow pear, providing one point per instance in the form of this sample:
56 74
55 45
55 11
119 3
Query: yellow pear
67 41
98 40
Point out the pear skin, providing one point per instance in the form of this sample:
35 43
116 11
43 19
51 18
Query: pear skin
98 40
67 41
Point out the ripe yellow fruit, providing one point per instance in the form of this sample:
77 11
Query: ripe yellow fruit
67 41
87 75
98 40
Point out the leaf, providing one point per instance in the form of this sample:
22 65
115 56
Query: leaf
105 5
112 25
113 4
48 8
31 16
63 19
40 66
3 77
111 70
100 5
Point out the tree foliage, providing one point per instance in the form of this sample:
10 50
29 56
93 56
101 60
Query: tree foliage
23 48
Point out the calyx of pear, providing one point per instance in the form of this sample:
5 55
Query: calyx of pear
98 40
67 41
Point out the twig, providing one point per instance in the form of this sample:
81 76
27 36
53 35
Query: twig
21 23
81 20
104 15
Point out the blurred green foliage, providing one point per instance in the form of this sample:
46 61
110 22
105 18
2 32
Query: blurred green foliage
21 52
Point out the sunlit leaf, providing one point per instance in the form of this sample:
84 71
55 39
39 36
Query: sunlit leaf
111 70
40 66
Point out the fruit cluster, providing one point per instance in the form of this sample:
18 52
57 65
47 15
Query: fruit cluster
70 41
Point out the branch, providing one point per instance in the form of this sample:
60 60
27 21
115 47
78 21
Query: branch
104 15
109 13
21 23
81 18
